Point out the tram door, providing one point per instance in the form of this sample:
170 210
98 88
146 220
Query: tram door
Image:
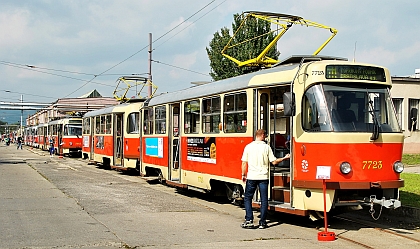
92 138
174 140
271 119
60 139
118 139
263 114
45 137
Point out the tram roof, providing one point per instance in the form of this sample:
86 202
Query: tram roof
105 110
216 87
235 83
58 121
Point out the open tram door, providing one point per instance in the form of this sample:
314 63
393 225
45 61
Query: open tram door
174 140
270 117
118 139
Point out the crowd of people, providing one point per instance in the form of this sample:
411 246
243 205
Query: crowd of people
16 140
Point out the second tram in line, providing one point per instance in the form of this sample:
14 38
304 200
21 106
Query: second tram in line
111 136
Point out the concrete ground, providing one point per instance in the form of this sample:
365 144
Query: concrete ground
66 203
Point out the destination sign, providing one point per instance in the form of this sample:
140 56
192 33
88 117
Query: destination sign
354 72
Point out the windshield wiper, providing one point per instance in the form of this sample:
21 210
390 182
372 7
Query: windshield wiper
376 126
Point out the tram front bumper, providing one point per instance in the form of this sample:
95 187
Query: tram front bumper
390 203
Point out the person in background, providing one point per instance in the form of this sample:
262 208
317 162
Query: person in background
19 142
51 141
257 156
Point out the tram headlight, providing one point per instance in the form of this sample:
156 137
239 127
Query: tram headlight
345 168
398 166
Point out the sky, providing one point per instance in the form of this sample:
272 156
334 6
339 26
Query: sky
59 49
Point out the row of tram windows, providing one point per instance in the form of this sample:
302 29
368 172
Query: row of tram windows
103 124
204 114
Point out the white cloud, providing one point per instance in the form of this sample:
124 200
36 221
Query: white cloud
14 28
112 36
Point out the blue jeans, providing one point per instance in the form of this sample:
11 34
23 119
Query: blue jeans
250 188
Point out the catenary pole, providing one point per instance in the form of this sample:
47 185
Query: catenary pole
150 65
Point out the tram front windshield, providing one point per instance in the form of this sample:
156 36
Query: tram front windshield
348 109
72 130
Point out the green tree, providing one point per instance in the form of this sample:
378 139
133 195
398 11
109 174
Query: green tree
251 38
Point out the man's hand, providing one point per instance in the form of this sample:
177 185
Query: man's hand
243 178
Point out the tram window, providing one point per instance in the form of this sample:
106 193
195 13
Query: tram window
235 113
148 121
97 124
192 116
55 130
108 124
211 115
133 123
102 124
160 119
72 130
86 126
264 109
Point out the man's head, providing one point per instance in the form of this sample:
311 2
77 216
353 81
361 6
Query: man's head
260 134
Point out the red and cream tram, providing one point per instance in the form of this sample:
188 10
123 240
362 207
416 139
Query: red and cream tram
67 135
336 118
111 136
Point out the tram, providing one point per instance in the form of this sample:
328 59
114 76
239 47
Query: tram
336 119
43 136
30 136
67 135
111 136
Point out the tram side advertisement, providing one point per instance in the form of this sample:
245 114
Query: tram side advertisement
201 149
154 147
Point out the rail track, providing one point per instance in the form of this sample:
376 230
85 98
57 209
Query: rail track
366 234
358 229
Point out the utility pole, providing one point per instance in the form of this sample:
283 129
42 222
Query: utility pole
150 65
21 116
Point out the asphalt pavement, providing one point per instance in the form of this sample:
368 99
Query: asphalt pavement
66 203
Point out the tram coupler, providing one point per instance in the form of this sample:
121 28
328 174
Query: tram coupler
391 203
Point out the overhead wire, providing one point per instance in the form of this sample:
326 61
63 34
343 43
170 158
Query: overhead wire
8 63
160 37
189 24
33 68
94 76
179 67
179 33
27 94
